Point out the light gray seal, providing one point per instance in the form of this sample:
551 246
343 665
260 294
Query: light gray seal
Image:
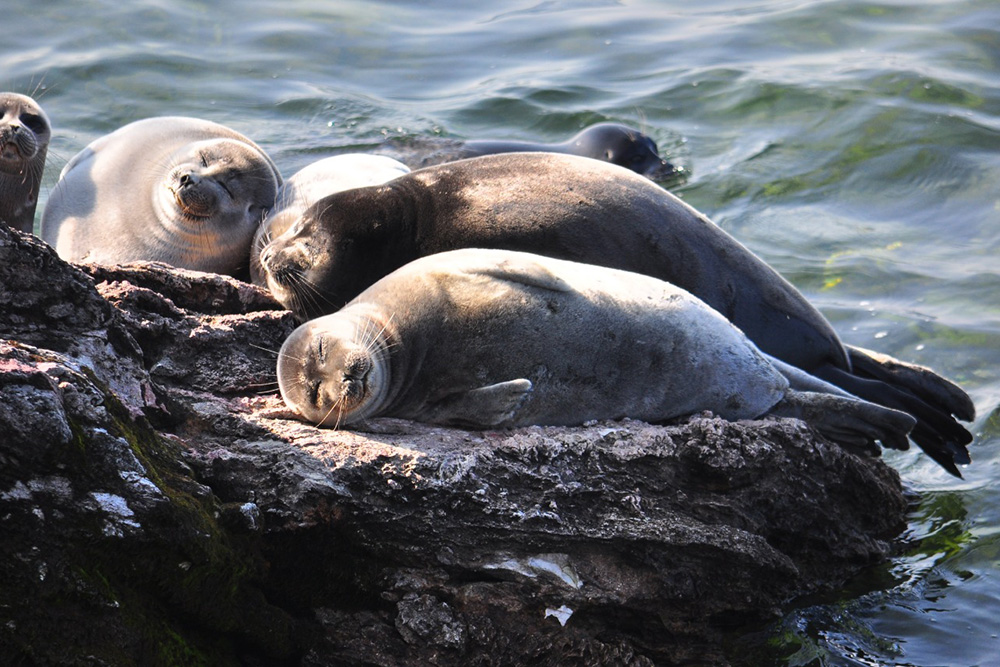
24 142
184 191
313 182
584 210
495 338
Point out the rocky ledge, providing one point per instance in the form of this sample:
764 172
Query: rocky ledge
157 506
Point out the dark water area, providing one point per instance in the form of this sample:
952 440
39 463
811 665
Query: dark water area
853 145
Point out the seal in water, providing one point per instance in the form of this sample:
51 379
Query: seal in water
611 142
24 141
184 191
496 338
584 210
313 182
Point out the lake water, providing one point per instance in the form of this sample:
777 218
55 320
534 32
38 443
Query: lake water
853 145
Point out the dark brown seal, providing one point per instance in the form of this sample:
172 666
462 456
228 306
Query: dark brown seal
611 142
588 211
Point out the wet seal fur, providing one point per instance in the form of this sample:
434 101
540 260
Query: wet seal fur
495 338
313 182
25 132
184 191
584 210
610 142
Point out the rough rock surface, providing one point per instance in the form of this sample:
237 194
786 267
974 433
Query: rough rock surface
157 508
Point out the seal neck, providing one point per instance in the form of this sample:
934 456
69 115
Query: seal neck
185 241
19 187
415 204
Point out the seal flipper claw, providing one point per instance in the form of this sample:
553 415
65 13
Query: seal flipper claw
482 407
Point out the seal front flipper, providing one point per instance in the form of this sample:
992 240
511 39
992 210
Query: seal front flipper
483 407
848 421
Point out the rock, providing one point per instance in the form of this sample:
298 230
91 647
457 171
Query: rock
158 508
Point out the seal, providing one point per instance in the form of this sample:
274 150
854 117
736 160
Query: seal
184 191
313 182
497 338
589 211
24 142
611 142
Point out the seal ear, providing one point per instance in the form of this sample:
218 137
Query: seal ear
527 272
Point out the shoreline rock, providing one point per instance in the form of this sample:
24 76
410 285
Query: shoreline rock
157 508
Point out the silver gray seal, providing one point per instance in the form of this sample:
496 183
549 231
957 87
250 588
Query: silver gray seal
495 338
24 142
184 191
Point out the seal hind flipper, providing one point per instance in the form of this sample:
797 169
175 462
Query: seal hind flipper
848 421
937 433
918 380
482 407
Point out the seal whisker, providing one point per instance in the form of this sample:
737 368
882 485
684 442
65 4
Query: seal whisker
282 354
340 413
305 297
265 388
369 346
309 292
643 120
265 349
41 90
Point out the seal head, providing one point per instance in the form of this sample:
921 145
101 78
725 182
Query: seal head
24 141
312 183
336 372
